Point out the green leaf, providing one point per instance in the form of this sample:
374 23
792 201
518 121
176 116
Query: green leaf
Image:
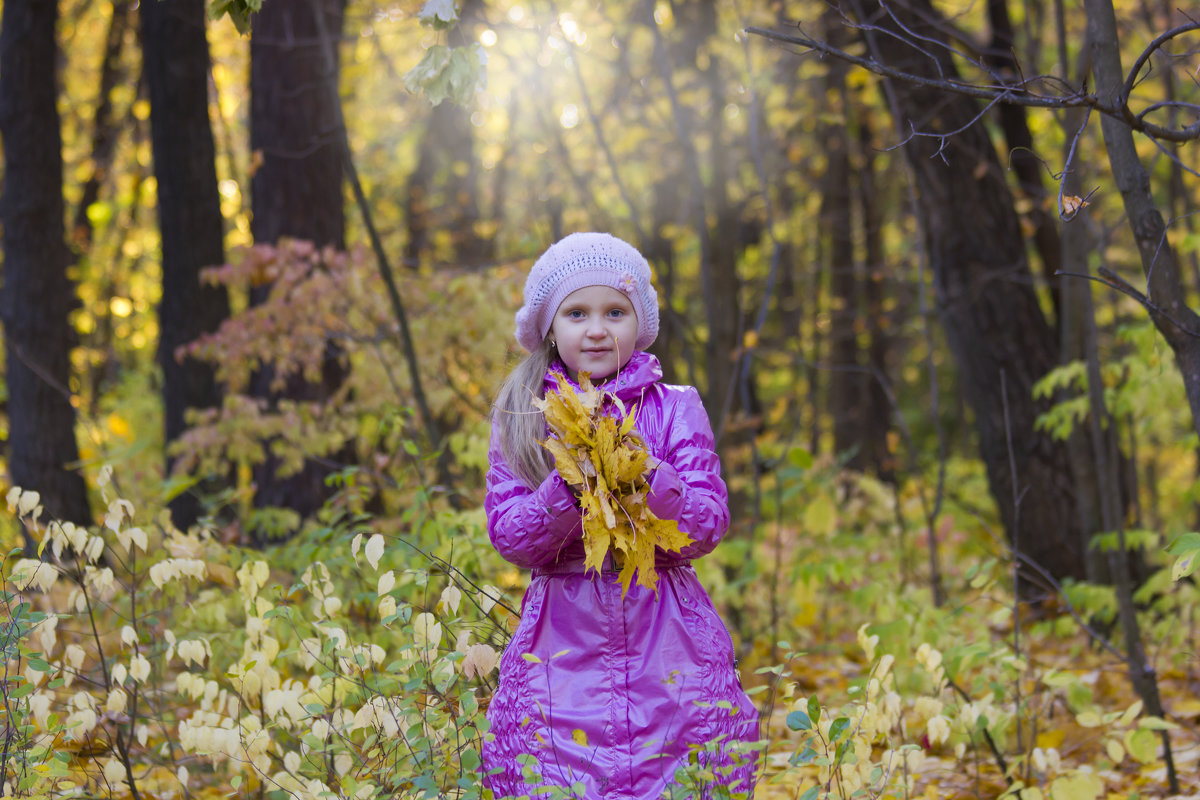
438 14
799 721
239 12
1186 543
1187 549
804 757
814 708
820 516
1156 724
800 457
1135 539
427 70
1183 566
810 793
838 727
449 73
1142 744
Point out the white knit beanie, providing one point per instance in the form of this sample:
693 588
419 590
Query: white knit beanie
586 259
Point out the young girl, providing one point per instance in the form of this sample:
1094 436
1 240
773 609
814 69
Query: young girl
608 694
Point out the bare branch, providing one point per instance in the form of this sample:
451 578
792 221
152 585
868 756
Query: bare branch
1020 92
1115 281
1151 49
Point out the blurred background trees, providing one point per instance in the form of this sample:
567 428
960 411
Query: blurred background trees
852 267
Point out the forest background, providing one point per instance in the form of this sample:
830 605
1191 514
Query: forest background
932 269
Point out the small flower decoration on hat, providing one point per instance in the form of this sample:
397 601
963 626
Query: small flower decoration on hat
627 285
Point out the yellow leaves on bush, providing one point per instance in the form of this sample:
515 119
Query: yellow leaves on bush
608 464
1077 786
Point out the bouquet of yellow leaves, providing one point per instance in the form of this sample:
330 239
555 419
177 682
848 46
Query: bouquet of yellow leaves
602 457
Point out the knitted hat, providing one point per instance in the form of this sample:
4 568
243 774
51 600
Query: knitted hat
586 259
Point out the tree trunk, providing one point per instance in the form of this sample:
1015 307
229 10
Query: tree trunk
104 126
877 422
836 224
447 170
446 157
37 295
670 346
1164 290
718 244
1077 325
1177 323
175 66
296 191
1025 163
995 328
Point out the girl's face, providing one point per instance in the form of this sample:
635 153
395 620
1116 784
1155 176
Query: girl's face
594 329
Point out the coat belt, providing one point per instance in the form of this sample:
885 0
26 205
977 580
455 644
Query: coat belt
575 566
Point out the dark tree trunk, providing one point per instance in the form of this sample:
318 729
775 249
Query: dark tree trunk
836 224
725 316
104 126
814 291
998 335
660 252
443 190
1025 163
877 422
37 295
175 67
296 191
447 170
715 219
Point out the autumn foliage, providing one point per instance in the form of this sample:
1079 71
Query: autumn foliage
352 653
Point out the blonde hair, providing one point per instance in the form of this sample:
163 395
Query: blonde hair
520 426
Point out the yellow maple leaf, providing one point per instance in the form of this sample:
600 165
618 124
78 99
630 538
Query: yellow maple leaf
564 462
630 466
608 462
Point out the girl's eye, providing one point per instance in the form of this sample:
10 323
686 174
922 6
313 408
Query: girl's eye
617 312
574 313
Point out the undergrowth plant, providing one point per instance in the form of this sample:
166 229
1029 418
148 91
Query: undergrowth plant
141 660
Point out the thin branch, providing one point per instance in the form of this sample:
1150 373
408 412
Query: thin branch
1151 49
1174 157
1014 94
1067 168
1017 93
1114 281
385 269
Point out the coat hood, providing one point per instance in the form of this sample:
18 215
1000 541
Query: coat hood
642 371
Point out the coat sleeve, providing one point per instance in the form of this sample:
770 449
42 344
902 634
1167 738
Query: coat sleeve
686 486
528 527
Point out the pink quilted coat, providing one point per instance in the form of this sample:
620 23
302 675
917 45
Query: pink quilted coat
608 695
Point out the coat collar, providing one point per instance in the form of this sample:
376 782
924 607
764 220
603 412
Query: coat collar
642 370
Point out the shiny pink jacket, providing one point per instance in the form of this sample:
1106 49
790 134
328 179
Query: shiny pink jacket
607 695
